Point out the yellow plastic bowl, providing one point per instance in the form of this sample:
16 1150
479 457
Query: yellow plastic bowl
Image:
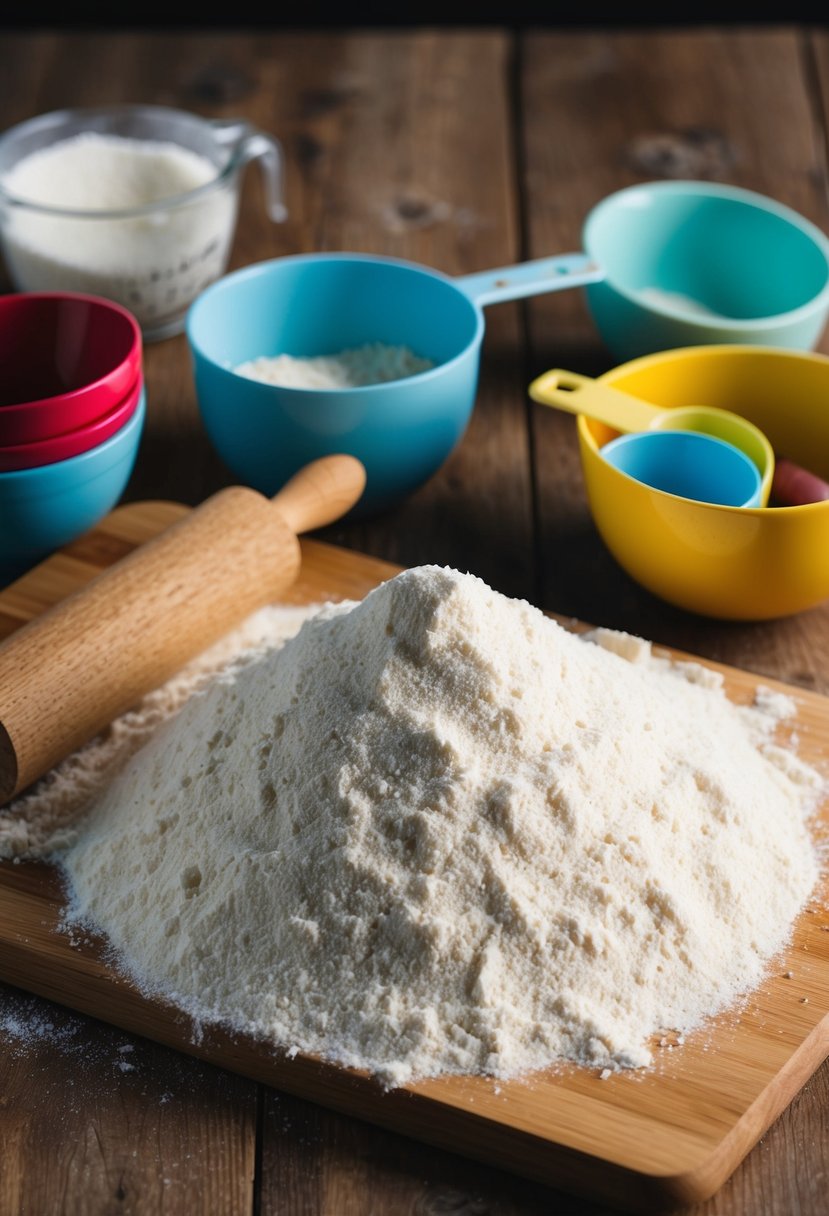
727 562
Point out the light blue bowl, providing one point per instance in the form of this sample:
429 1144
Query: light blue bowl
688 463
321 304
693 263
45 507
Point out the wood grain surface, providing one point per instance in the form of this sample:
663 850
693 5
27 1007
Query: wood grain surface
461 148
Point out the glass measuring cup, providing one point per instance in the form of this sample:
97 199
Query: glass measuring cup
577 394
153 257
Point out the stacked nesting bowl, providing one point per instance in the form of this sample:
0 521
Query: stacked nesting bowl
72 407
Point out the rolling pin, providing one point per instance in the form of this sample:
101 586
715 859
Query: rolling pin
68 673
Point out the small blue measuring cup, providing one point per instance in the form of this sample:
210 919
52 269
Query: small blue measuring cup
689 464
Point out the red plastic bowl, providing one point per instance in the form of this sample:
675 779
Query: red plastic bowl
61 447
66 359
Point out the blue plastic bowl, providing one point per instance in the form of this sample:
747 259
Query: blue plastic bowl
320 304
48 506
402 431
688 463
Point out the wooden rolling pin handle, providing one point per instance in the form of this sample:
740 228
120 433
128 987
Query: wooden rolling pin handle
68 673
321 492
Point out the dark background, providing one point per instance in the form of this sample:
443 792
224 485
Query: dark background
270 14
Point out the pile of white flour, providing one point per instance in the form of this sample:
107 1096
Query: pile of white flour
436 832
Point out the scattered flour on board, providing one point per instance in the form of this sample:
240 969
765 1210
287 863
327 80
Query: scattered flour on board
435 832
47 817
373 363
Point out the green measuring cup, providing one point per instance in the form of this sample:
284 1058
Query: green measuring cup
577 394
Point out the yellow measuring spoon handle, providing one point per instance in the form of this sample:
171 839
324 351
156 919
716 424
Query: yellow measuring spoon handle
583 395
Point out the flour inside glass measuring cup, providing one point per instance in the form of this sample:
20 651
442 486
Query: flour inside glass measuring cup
153 263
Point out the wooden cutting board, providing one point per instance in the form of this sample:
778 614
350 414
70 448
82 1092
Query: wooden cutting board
641 1140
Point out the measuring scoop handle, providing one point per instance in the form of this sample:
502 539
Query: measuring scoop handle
69 672
576 394
533 278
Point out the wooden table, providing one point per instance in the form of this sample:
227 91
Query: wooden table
463 149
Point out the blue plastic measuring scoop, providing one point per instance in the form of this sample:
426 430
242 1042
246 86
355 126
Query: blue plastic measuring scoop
689 464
